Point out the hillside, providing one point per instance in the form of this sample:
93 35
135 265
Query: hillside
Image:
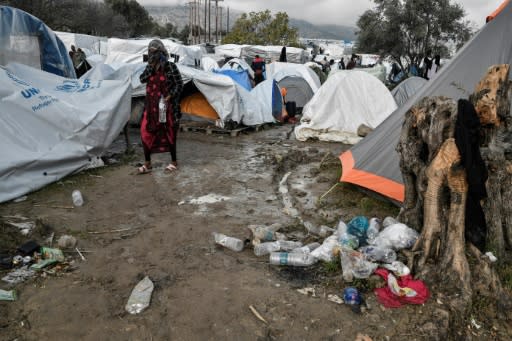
179 16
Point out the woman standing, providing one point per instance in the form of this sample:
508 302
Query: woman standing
164 86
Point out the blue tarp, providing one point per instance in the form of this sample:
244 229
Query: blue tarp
241 77
17 31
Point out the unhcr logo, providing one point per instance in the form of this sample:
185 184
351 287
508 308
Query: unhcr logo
75 86
27 93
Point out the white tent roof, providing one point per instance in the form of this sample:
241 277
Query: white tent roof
239 65
229 50
293 54
344 102
209 64
278 71
52 126
91 45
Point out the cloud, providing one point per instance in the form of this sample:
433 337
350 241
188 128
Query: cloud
340 12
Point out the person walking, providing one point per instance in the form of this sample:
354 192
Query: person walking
160 121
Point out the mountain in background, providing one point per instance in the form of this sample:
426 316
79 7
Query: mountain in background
179 16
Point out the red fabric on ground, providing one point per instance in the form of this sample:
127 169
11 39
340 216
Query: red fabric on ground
408 285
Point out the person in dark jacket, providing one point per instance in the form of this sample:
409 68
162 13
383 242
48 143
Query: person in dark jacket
282 57
163 87
258 66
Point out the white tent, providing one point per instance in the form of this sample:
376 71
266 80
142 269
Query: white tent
52 126
238 65
272 53
131 51
209 64
91 45
344 102
278 71
229 50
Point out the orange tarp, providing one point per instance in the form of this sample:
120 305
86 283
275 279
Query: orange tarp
497 11
197 105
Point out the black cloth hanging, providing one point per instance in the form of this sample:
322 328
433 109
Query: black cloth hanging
467 139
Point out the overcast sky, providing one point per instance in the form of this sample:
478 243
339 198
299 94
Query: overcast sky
341 12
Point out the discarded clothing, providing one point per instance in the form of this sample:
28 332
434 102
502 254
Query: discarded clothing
401 290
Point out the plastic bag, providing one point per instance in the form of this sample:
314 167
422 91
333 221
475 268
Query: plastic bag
353 264
140 296
349 241
324 251
357 227
396 236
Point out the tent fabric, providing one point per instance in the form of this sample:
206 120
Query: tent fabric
297 90
376 154
272 53
91 45
344 102
241 77
239 65
209 64
52 126
27 40
197 105
269 95
379 71
229 50
278 71
407 88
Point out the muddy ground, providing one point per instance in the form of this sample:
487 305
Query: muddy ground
136 225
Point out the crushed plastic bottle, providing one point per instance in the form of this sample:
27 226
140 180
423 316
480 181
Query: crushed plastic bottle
228 242
288 245
373 229
77 198
306 249
377 254
266 233
140 296
324 251
266 248
162 110
293 259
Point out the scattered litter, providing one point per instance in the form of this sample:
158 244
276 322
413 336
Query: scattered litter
140 296
50 253
49 240
474 324
287 199
18 275
255 312
352 296
293 259
29 248
43 263
205 199
77 198
400 291
7 295
23 224
492 258
439 301
80 254
307 291
335 299
228 242
66 242
111 231
20 199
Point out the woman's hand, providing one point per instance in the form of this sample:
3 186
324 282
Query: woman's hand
168 98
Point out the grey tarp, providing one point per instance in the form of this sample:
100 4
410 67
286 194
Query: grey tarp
406 89
374 163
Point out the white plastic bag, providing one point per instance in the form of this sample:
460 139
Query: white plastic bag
396 236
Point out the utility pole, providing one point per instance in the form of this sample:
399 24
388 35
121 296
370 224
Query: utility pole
217 20
205 13
190 22
209 21
220 24
227 23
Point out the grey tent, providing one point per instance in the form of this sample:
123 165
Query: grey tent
406 89
374 163
297 90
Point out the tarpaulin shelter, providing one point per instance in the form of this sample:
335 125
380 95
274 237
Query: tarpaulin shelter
374 163
239 65
344 102
272 53
27 40
91 45
269 95
239 76
407 88
53 126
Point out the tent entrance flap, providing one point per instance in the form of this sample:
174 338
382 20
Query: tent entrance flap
197 105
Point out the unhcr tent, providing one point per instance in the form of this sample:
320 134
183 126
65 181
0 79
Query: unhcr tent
241 77
239 65
52 126
229 50
27 40
269 95
344 102
373 163
91 45
272 53
407 88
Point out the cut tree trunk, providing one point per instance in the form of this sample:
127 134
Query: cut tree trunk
436 187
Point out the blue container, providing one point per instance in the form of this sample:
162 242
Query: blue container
351 296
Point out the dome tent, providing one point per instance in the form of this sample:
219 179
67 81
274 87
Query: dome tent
344 102
27 40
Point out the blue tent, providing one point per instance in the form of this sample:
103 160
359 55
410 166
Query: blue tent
241 77
27 40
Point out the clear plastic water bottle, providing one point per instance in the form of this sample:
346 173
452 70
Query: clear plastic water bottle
228 242
162 110
78 200
377 254
293 259
373 229
266 248
266 233
306 249
288 245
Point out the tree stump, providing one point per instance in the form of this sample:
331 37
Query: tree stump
436 188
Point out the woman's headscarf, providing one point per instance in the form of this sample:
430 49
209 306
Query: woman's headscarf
156 45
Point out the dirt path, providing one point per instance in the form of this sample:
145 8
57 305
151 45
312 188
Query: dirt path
202 292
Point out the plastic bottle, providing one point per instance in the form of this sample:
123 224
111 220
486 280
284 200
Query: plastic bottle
351 296
306 249
288 245
266 233
266 248
162 110
377 254
324 251
228 242
78 200
140 296
373 229
293 259
325 230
